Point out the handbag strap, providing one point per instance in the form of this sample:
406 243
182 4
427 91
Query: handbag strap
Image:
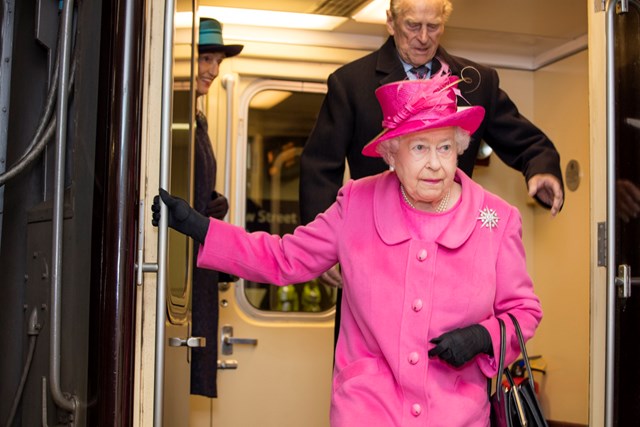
503 350
517 398
523 350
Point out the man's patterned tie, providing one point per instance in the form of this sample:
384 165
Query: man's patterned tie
421 72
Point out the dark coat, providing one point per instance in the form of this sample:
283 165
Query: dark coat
204 306
350 117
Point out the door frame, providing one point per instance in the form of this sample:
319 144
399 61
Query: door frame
598 212
603 270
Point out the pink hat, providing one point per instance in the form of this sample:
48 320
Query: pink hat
415 105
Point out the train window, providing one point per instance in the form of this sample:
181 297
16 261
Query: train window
279 121
179 247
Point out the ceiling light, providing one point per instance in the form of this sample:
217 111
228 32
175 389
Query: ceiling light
375 12
268 18
183 20
267 99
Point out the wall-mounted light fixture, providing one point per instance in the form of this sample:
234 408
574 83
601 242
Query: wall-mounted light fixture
267 99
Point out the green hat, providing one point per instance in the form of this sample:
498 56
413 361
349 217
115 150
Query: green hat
211 39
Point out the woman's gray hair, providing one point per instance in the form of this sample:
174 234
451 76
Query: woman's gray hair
387 149
395 6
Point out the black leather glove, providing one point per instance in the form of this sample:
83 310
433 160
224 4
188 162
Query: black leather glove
459 346
182 217
217 207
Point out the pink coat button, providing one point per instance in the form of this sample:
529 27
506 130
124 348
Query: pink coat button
417 305
416 409
414 357
422 255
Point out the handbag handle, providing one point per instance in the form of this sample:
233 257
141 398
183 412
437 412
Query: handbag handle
517 398
523 350
503 350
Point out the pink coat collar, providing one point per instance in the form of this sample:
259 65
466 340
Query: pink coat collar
387 210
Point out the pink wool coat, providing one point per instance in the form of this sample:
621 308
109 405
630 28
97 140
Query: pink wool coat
399 293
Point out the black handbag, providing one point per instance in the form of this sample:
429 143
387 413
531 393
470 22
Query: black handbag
515 405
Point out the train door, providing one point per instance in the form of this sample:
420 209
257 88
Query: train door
276 343
623 134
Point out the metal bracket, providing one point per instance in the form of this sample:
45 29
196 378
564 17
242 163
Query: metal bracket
227 364
146 267
624 281
599 5
191 342
622 6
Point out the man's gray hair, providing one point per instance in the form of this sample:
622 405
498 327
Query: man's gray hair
395 6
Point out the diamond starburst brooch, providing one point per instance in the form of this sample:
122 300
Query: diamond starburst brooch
489 218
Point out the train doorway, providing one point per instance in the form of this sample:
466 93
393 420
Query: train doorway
276 345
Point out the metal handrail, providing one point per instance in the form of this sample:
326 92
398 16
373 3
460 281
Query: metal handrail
165 148
229 83
611 229
5 91
63 400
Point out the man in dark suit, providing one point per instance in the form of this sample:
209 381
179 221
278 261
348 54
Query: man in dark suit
350 116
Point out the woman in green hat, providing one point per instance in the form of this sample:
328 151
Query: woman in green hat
211 52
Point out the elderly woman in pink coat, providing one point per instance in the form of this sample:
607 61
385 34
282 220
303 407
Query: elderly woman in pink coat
429 261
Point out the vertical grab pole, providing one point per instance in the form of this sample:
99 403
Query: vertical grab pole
6 48
68 403
165 148
611 225
229 83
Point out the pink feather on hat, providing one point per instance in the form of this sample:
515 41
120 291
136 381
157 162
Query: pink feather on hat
410 106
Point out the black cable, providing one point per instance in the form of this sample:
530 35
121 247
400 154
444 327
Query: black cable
23 379
46 125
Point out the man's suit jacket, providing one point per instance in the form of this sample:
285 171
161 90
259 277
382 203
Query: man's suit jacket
350 117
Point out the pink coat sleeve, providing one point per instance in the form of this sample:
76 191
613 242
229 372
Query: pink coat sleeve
294 258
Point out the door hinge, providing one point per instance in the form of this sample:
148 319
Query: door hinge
602 244
599 5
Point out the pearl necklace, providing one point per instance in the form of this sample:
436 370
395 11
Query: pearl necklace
441 206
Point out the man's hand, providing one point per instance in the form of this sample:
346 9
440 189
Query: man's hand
332 277
548 190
